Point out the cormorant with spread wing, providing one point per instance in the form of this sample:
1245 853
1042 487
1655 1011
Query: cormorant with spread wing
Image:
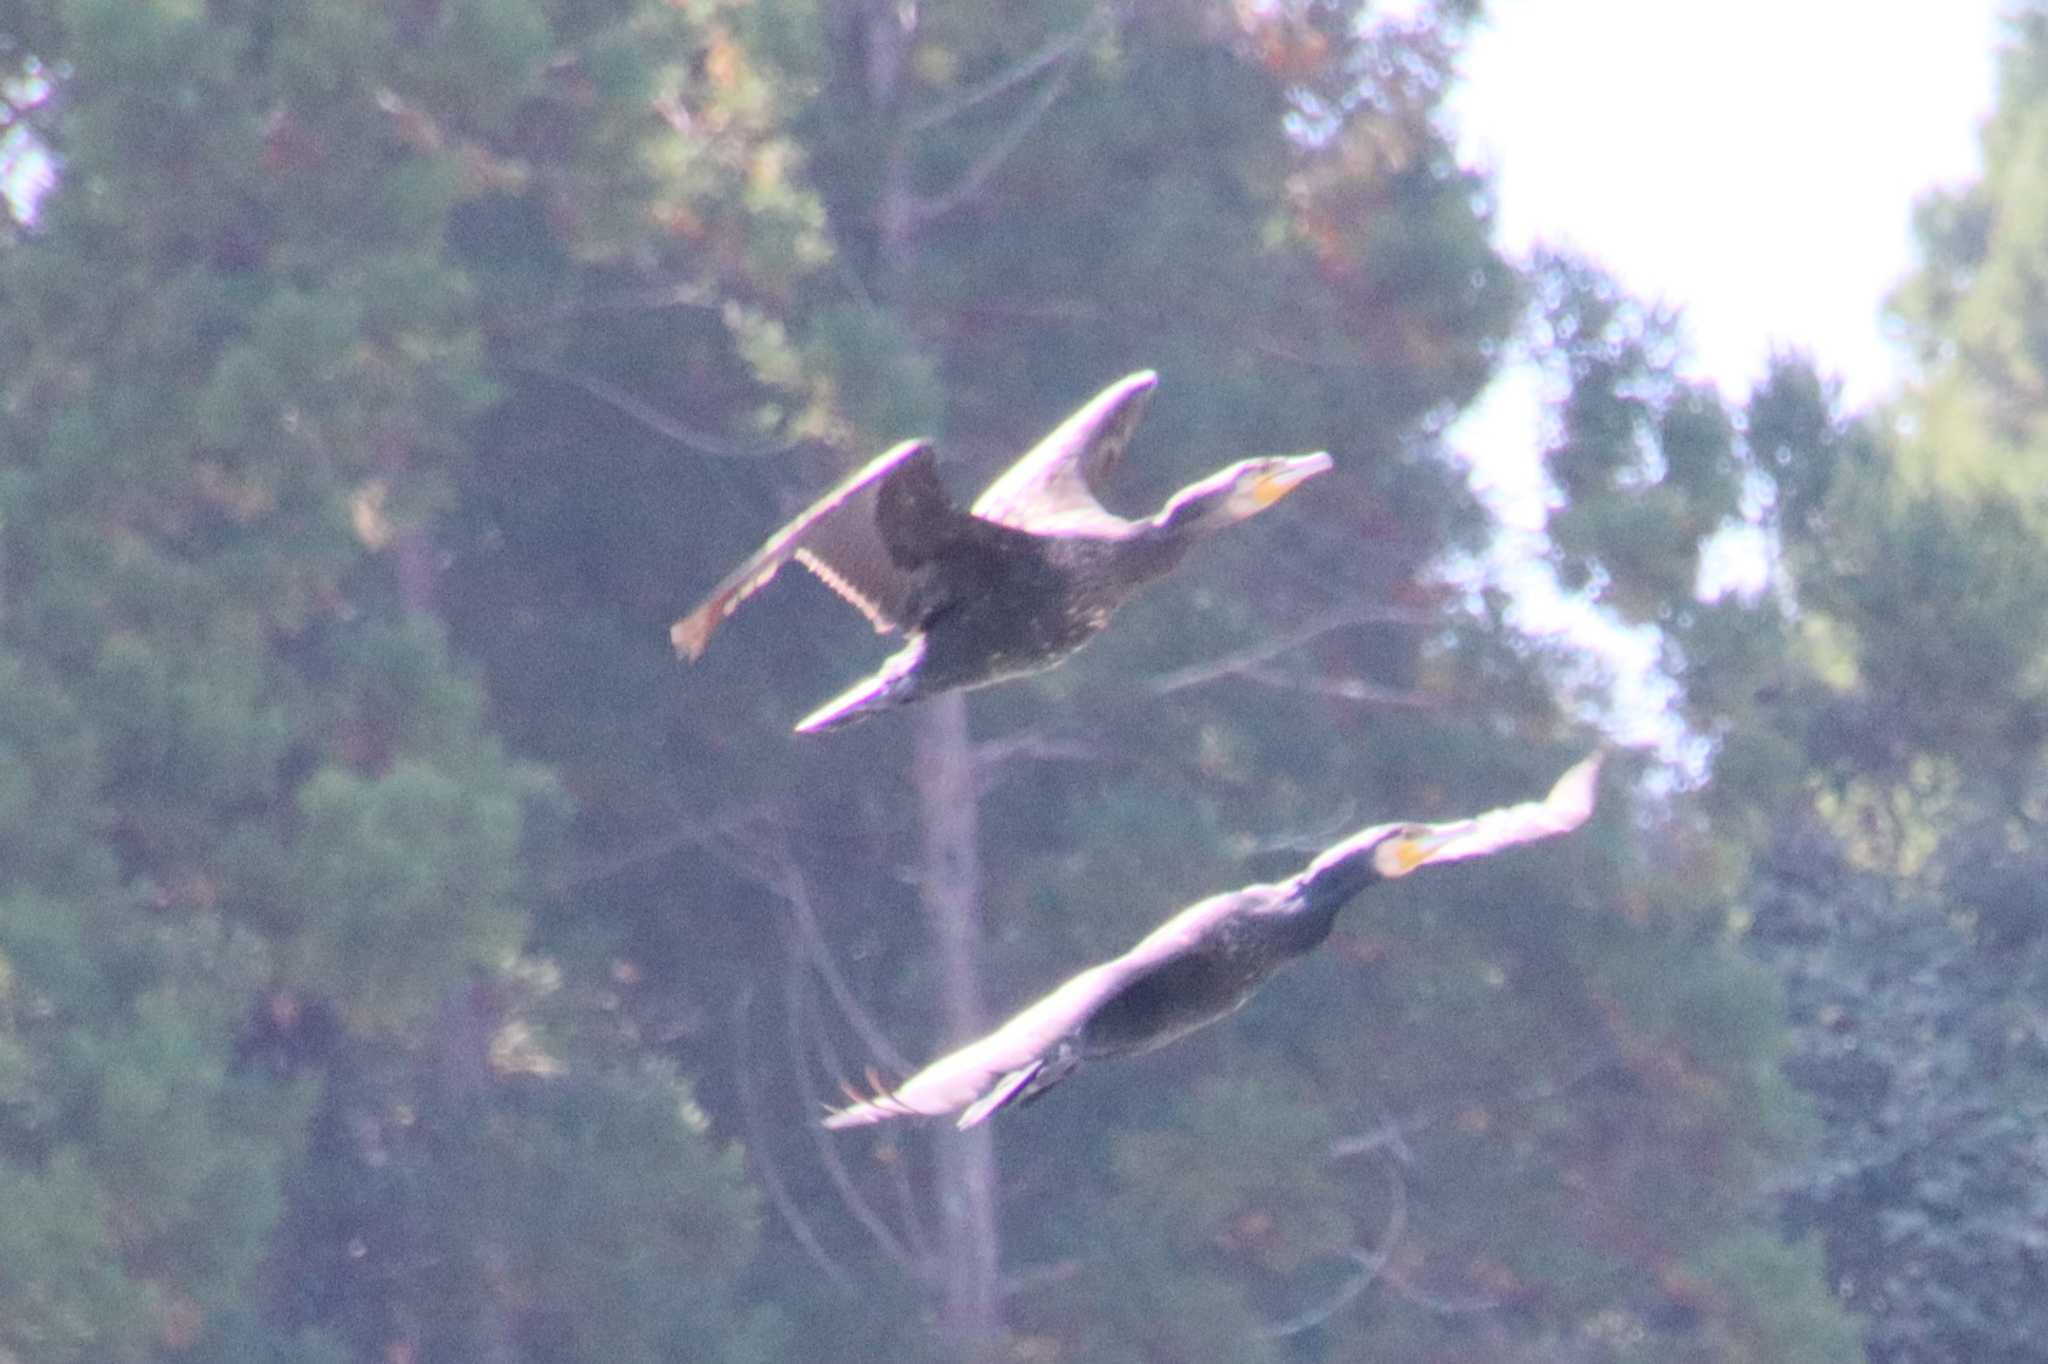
1203 963
1023 578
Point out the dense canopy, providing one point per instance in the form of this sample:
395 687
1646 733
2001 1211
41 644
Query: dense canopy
401 957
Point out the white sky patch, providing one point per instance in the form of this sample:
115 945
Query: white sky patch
1752 162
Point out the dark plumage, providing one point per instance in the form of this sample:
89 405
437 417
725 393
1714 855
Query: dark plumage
1013 585
1203 963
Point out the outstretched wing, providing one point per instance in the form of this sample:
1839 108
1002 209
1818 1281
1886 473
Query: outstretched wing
839 538
1052 489
996 1067
1569 804
1021 1058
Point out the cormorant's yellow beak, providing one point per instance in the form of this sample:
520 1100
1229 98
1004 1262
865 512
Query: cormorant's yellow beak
1286 476
1411 853
1415 847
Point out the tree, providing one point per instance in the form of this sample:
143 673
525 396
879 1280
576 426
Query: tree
1898 713
275 873
403 956
1017 214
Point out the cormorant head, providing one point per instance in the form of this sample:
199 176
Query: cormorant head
1386 852
1243 489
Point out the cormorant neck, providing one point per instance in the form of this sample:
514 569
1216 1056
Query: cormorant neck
1341 871
1318 894
1155 550
1329 884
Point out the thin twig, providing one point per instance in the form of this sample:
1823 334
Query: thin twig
828 1154
1058 49
1390 1134
605 865
1355 689
776 869
771 1175
906 1204
989 162
1369 1265
1196 674
991 756
646 298
651 417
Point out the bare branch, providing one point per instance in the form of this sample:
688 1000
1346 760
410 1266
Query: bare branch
1442 1306
1369 1265
647 298
1390 1135
991 756
989 162
1059 49
796 1007
585 870
651 417
757 1144
1355 689
1239 664
770 863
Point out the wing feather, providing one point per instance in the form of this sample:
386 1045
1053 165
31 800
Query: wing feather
1569 804
836 537
957 1079
1054 487
972 1077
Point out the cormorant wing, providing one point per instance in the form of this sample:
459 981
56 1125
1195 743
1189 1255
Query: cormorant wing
839 538
999 1060
1568 805
992 1071
1052 489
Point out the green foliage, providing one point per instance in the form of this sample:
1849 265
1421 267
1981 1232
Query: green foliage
371 374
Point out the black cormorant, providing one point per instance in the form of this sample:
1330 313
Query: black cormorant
1203 963
1023 578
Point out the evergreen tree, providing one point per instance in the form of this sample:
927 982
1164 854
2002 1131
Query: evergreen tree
271 1091
1264 207
398 949
1894 745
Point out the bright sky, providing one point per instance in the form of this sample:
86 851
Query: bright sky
1754 162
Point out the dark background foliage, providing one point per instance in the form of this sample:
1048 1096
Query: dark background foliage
402 957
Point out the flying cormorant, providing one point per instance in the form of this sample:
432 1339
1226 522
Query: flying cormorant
1023 578
1203 963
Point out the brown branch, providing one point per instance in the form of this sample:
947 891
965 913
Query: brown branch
1247 661
764 1164
1062 48
647 298
795 998
598 868
1370 1265
1391 1134
649 416
991 756
771 865
923 210
1354 689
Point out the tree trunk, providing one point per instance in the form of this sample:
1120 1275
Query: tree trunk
949 888
943 766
